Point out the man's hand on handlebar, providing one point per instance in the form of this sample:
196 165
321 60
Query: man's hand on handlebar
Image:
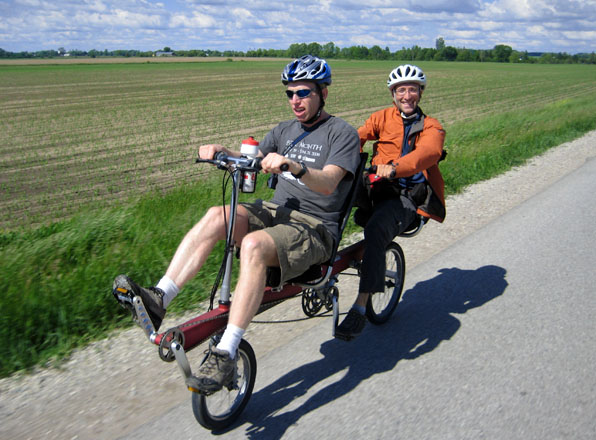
276 163
272 163
207 152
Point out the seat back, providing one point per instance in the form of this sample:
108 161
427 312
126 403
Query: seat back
349 203
314 276
415 227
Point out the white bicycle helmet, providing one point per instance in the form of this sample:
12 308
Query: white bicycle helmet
406 73
307 68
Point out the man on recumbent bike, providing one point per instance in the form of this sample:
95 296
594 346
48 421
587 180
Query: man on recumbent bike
408 182
296 229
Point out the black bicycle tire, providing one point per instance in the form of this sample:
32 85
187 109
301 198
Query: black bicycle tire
201 403
395 283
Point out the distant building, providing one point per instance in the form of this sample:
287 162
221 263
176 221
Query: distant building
161 53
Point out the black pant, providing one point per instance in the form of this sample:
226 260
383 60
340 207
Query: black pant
388 219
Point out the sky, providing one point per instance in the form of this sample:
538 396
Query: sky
525 25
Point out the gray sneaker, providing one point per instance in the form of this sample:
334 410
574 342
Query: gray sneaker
351 326
152 298
214 373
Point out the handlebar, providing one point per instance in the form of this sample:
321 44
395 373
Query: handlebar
372 171
223 161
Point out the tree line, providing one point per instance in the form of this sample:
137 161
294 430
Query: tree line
441 52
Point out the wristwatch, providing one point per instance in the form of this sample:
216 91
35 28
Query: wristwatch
302 171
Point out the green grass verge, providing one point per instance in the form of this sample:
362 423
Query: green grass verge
57 279
482 149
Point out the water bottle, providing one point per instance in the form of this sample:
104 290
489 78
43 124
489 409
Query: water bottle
249 148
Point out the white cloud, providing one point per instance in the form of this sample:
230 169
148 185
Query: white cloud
538 29
547 25
466 35
365 40
461 6
28 3
242 14
485 25
580 35
194 20
513 9
116 18
97 5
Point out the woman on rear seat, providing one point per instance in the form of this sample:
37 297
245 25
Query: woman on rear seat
408 147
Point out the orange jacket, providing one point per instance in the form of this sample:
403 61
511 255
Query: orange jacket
387 128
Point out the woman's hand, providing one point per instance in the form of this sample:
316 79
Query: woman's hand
386 171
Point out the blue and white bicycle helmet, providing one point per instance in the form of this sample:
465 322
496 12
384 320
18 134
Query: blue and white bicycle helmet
307 68
406 73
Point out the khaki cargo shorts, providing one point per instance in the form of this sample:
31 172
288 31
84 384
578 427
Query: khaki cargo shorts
301 240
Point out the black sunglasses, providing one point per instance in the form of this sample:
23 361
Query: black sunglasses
302 93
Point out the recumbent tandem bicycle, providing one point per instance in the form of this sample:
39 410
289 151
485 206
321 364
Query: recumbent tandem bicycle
317 286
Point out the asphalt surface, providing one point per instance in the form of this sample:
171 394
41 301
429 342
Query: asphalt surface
493 339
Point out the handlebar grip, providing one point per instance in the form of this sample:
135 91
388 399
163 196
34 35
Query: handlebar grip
284 167
220 155
217 157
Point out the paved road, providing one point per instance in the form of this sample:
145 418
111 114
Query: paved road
493 339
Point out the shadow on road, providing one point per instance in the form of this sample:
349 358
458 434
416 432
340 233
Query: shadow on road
424 318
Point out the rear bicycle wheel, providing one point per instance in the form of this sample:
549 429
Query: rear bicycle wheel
381 305
219 410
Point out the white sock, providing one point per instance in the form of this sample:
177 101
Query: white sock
231 339
170 290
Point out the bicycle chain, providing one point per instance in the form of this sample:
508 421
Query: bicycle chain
262 308
223 316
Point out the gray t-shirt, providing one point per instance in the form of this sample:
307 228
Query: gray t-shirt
333 142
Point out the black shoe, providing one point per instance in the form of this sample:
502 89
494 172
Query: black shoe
351 326
152 298
216 372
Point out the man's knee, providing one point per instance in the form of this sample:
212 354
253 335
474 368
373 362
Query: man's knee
215 218
251 245
211 225
258 247
215 214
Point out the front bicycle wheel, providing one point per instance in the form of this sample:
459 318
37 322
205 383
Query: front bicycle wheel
381 305
221 409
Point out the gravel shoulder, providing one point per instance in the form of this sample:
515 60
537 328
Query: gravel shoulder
115 385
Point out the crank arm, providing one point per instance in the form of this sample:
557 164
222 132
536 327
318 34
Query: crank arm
135 306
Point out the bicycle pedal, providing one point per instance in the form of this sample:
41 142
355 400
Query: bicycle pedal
134 305
192 386
123 296
126 299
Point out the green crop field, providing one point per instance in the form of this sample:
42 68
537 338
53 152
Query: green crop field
78 136
97 172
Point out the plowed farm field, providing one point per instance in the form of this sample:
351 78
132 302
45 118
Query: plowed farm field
85 136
